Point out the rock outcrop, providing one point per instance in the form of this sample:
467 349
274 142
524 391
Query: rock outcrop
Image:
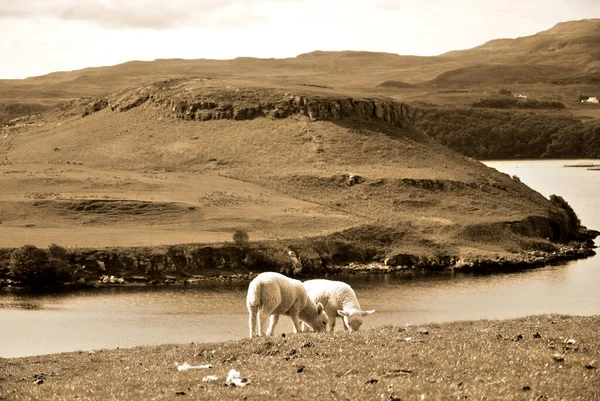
187 100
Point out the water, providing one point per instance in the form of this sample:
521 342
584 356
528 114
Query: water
125 317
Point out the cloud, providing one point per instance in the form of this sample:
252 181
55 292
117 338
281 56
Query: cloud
148 14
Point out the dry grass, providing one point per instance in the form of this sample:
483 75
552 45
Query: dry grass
171 181
167 180
274 178
499 360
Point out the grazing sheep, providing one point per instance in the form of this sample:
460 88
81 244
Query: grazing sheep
273 294
339 300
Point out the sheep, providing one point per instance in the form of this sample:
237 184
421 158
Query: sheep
273 294
339 300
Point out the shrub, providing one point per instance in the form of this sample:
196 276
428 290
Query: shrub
240 237
573 221
268 259
38 267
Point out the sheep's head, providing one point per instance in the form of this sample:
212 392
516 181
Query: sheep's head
319 323
353 318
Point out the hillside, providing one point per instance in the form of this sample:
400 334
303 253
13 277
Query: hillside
562 60
567 44
191 160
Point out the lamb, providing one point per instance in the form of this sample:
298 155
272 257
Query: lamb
339 299
273 294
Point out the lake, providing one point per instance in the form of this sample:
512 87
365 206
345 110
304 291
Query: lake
125 317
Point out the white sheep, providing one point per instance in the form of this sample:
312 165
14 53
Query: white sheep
339 300
273 294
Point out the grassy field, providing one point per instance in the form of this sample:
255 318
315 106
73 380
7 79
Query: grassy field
534 358
147 177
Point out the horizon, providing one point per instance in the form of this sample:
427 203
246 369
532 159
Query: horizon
69 35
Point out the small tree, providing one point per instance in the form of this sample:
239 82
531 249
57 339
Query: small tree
39 268
240 237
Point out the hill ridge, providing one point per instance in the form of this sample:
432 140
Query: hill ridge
204 99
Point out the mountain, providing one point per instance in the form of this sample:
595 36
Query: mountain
567 44
567 54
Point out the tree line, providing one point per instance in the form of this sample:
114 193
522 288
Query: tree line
512 134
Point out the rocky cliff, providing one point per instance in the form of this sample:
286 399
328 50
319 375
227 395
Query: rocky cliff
196 100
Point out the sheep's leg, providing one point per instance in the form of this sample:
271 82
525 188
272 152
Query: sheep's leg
345 324
273 323
331 325
304 327
253 311
262 322
297 325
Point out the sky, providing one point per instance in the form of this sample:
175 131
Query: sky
42 36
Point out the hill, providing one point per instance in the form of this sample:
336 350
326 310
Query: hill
191 160
571 43
560 63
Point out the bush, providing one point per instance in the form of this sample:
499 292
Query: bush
573 221
36 267
269 259
240 237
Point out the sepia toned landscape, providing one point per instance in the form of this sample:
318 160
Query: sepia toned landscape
186 171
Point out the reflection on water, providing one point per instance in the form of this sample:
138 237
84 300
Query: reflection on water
33 324
21 304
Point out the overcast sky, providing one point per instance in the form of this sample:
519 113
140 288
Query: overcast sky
42 36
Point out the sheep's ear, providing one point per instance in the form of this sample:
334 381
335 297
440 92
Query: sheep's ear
319 308
366 312
343 313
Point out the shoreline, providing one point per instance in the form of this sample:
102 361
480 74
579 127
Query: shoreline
102 276
539 357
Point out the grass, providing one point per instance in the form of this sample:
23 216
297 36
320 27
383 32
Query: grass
145 177
516 359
